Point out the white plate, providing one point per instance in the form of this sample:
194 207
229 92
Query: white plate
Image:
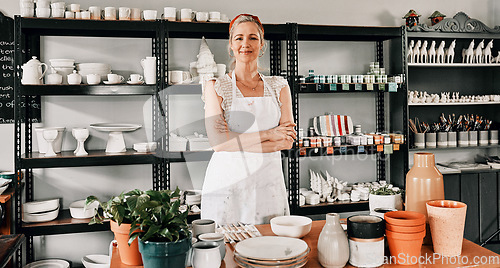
135 83
271 248
48 264
111 83
115 127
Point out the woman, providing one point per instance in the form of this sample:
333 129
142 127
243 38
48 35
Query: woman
249 120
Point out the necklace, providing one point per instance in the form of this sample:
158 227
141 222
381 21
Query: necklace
253 88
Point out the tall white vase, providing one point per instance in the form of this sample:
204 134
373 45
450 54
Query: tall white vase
333 247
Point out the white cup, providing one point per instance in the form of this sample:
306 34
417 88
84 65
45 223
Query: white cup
24 4
124 13
135 14
224 18
42 12
53 79
169 13
150 14
78 15
206 255
95 12
58 5
178 77
201 16
74 7
93 79
85 15
149 66
57 13
115 78
214 15
186 14
43 4
69 15
110 13
221 70
136 78
27 12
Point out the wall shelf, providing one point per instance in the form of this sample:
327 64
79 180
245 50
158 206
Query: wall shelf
450 65
100 90
347 87
455 148
455 103
338 206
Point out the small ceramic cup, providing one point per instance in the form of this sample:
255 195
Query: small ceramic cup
202 226
149 14
442 139
483 137
169 13
430 140
463 139
452 139
473 138
215 237
493 137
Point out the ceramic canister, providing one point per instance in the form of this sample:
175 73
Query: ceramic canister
366 240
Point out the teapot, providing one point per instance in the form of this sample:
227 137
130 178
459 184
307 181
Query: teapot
33 72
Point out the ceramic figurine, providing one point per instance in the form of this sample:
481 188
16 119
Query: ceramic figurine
468 54
496 59
411 18
205 66
409 55
450 52
440 53
488 58
432 53
478 52
416 51
423 52
436 17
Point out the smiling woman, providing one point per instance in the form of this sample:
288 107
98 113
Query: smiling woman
249 120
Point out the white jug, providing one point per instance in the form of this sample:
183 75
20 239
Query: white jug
33 72
149 66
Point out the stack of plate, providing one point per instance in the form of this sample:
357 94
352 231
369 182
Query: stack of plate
102 69
271 251
63 67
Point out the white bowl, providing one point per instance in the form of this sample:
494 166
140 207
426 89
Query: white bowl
87 66
291 226
53 263
41 206
41 217
78 211
144 147
96 261
62 62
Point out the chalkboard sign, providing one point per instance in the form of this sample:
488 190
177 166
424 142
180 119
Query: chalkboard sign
7 75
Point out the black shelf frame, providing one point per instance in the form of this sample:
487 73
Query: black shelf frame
396 38
28 32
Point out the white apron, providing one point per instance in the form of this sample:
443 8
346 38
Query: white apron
244 186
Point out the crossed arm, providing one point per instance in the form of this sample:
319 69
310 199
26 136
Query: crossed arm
272 140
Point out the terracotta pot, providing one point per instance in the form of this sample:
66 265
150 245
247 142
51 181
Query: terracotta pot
129 255
404 218
405 248
424 182
405 229
447 222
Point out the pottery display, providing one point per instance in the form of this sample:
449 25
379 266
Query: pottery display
447 223
116 142
333 247
42 143
33 72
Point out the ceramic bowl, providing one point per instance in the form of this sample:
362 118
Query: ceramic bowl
193 197
40 206
41 217
144 147
291 226
405 218
78 211
54 263
96 261
62 62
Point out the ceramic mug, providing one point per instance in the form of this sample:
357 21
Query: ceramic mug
203 226
136 78
215 237
186 14
214 16
149 66
110 13
206 255
85 15
42 12
178 77
95 12
169 13
115 78
69 15
124 13
149 14
74 7
57 13
201 16
93 79
135 14
58 5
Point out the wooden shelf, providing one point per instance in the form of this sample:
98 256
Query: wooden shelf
98 90
345 150
347 87
338 206
7 194
461 65
64 224
454 148
454 103
94 158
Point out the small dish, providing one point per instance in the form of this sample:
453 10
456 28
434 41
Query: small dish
135 83
78 211
96 261
145 147
111 83
54 263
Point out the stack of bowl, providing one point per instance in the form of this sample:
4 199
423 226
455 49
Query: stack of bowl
193 197
42 9
27 8
405 231
63 67
40 211
102 69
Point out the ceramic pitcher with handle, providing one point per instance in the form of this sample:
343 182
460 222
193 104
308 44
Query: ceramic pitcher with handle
33 72
149 66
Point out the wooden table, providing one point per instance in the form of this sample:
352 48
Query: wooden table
470 252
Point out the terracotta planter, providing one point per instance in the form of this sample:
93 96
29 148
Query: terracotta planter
405 229
129 255
404 218
447 222
405 248
424 182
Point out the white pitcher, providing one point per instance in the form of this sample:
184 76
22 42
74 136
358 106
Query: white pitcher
149 66
33 72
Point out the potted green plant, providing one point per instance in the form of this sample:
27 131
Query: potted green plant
118 209
385 197
161 228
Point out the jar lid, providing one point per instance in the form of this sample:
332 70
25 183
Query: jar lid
365 226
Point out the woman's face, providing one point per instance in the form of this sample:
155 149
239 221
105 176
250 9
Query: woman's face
246 42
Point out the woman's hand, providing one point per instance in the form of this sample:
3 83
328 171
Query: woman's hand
282 132
285 144
221 125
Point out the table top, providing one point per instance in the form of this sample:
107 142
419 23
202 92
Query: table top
473 255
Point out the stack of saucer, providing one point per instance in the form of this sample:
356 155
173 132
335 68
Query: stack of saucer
40 211
271 251
63 67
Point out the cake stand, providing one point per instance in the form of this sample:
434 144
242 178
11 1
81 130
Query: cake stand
116 142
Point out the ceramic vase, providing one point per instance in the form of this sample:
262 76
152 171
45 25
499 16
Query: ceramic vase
447 223
333 247
129 255
424 182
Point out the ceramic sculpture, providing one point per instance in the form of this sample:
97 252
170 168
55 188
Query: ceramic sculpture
423 52
478 52
450 52
436 17
431 54
488 58
416 51
497 58
409 54
412 18
467 54
440 53
205 66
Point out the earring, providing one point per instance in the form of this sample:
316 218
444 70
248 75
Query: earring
261 53
231 54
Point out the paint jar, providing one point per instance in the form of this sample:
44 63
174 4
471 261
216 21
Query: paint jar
366 240
483 137
419 140
430 140
473 138
442 139
463 139
452 139
494 137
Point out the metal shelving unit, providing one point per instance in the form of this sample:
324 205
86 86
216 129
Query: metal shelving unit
28 32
